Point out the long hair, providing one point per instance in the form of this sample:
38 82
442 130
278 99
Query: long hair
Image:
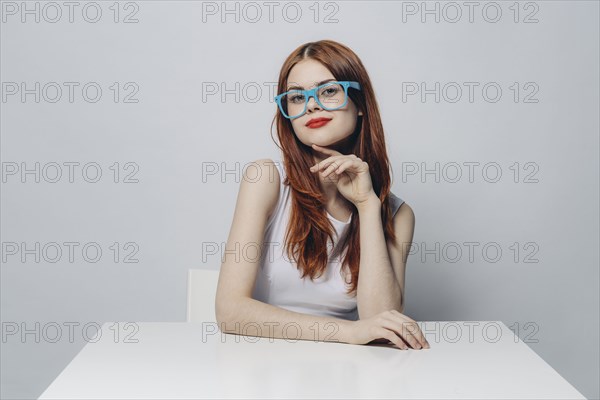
309 228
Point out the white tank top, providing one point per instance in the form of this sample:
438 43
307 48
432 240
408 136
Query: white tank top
278 282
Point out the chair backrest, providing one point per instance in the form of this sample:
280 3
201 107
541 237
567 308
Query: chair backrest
201 293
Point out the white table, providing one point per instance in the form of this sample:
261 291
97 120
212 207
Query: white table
172 360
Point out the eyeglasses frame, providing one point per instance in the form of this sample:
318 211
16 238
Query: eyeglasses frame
313 93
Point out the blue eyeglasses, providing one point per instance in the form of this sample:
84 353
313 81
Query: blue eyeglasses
330 96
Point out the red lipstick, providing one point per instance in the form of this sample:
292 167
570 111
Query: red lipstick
317 122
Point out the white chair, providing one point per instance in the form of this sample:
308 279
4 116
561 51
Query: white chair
201 293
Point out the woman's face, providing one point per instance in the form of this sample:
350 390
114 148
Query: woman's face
307 74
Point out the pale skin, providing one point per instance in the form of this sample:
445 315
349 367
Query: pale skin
346 182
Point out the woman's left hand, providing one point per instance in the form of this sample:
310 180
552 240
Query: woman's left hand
349 172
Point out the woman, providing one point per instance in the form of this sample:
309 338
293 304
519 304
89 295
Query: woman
329 195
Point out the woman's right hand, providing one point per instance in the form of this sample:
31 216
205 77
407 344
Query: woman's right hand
391 325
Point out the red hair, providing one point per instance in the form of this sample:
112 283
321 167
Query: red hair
309 228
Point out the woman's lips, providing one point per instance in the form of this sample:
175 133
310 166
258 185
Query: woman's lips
318 124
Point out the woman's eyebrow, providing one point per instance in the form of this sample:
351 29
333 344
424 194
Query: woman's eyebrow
318 84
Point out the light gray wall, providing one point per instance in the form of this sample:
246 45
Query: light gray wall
173 214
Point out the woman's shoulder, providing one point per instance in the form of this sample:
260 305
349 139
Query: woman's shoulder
261 180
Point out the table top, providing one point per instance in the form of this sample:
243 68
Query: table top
467 359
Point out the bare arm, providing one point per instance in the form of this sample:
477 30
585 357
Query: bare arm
255 318
381 279
236 311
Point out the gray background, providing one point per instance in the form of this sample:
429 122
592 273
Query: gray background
171 134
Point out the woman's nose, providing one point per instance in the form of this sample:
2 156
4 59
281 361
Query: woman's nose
312 104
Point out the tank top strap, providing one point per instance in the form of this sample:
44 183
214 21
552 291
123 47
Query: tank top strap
396 202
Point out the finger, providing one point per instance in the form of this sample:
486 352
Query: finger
417 331
404 329
333 166
319 165
323 164
393 338
344 166
414 334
